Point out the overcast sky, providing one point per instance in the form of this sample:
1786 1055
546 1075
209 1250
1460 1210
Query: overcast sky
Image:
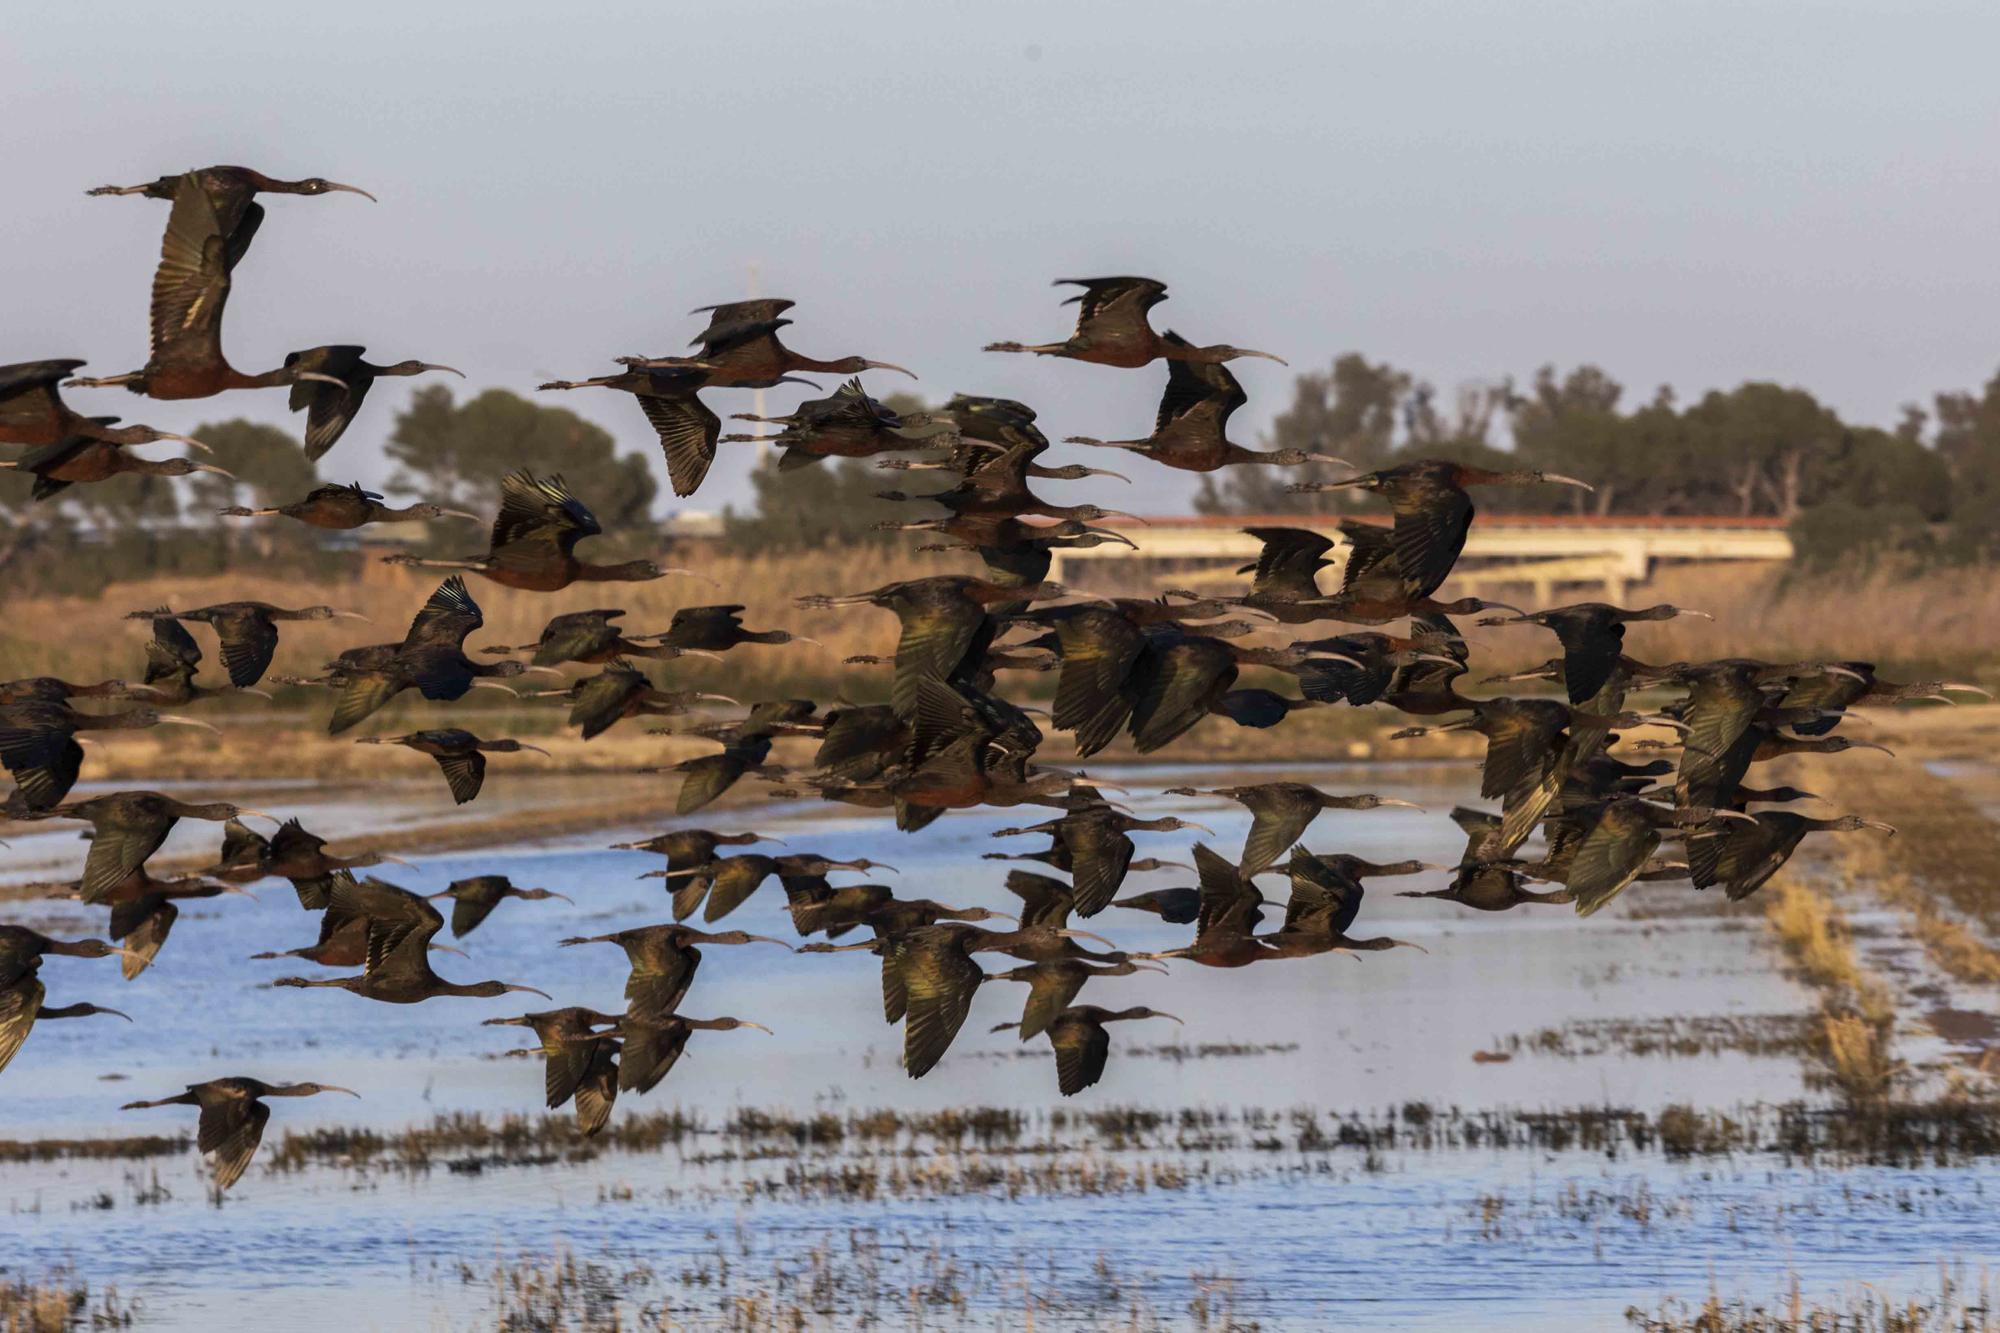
1692 194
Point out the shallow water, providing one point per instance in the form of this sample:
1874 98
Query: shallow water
1402 1245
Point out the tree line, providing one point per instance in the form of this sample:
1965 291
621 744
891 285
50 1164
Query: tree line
1926 489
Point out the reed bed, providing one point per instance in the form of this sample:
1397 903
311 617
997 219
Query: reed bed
59 1302
1964 1301
1857 1014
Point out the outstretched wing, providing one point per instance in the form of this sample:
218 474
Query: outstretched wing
191 284
464 774
688 432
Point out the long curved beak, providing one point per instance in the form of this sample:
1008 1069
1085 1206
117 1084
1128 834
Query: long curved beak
351 189
461 513
719 698
1409 944
261 694
1871 745
328 1087
887 365
446 948
106 1009
188 440
350 615
1701 614
1157 1014
536 748
1407 805
1560 480
396 859
1268 356
178 720
1967 689
530 990
517 1022
1162 969
261 814
449 370
316 377
1085 935
1119 513
218 471
744 1022
1889 829
1327 458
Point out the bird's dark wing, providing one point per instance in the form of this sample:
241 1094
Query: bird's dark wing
248 644
116 850
1371 568
228 1135
1278 820
1193 384
1591 649
704 779
599 1088
1081 1052
940 983
936 637
173 643
565 1061
448 615
1112 300
464 774
329 408
19 1004
659 979
688 432
1429 533
735 879
1099 855
1099 649
540 509
142 926
1287 566
467 913
44 762
191 285
361 696
1052 990
650 1053
1610 855
1175 694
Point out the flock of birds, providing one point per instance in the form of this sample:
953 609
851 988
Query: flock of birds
944 739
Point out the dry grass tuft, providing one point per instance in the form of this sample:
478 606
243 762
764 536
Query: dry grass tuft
1961 1304
58 1302
1857 1010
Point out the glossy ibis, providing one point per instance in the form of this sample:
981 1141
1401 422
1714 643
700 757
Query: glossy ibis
431 660
1483 884
343 508
343 932
39 748
732 879
127 827
460 755
32 411
1856 683
233 1116
740 349
1191 430
533 545
621 690
247 631
590 637
78 459
717 629
577 1062
1081 1044
1326 899
653 1042
1228 910
292 853
1593 638
933 973
688 430
692 848
21 991
708 776
329 409
1095 848
847 424
1621 840
1053 986
231 188
398 969
1747 853
1282 811
54 690
1112 328
190 291
1433 512
143 912
664 959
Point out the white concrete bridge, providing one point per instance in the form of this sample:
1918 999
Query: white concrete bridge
1540 551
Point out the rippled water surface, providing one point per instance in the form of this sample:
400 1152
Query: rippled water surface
1445 1238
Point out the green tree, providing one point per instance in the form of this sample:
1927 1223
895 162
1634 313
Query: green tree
456 453
1968 437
